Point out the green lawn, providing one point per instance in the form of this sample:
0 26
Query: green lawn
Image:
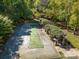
74 40
35 41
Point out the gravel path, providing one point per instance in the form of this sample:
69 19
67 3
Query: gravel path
17 45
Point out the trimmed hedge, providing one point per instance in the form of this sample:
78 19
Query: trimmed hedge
44 21
54 31
51 29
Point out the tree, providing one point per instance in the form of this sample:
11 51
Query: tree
17 8
74 21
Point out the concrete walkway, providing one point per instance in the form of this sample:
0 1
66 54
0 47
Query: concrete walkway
17 45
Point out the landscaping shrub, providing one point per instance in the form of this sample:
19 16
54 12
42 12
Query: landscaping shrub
44 21
54 31
47 28
51 29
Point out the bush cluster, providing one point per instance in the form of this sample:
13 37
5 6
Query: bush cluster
52 30
44 21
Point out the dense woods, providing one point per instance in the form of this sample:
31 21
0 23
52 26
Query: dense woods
56 10
66 12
